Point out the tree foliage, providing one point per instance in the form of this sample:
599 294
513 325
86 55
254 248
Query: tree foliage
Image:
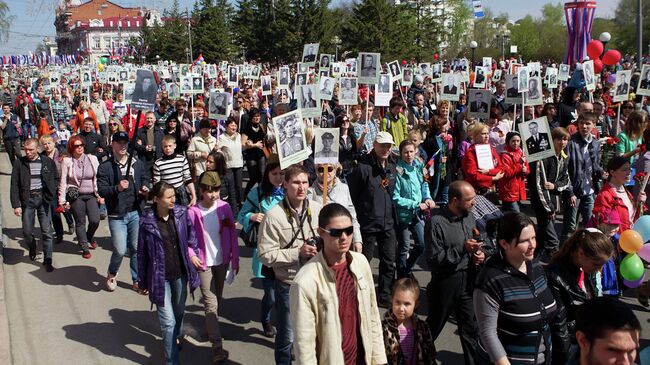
624 37
5 21
212 34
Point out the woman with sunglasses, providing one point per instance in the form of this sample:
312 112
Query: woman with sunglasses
114 126
337 192
347 143
627 107
260 200
78 192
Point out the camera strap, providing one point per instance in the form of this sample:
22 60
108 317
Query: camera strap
304 215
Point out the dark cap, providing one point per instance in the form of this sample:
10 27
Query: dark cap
120 137
327 135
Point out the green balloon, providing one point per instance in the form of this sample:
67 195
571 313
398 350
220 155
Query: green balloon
631 267
103 60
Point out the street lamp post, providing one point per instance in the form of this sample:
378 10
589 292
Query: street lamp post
473 46
604 38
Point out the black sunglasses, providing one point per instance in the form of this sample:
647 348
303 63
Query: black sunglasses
337 232
322 169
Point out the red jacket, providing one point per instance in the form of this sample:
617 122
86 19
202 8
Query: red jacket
512 187
479 181
608 199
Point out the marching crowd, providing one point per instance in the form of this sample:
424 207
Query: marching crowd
170 183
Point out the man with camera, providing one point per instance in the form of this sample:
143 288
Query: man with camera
287 240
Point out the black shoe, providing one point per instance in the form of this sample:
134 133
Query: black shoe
32 254
269 330
58 239
48 265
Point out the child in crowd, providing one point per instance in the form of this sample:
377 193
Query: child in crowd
174 169
44 128
512 188
406 337
62 137
217 250
415 136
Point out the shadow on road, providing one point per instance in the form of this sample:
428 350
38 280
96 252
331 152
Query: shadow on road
82 277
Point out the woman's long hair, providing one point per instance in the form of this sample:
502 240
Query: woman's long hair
592 242
266 186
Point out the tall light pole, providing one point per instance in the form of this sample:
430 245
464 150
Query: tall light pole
639 33
473 46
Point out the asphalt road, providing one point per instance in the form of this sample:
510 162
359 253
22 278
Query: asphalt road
67 316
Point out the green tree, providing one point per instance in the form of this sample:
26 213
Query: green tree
552 33
525 35
380 26
625 19
211 31
457 33
5 21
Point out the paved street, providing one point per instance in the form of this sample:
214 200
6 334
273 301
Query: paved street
68 317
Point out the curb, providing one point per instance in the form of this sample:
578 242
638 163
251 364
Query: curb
5 339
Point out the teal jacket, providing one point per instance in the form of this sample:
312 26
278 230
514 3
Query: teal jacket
410 190
252 206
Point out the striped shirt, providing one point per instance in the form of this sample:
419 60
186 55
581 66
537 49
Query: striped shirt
173 169
35 181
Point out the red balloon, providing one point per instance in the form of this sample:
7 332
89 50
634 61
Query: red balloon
611 57
404 62
595 48
598 66
435 56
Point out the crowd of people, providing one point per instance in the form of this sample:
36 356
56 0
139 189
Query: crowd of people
182 193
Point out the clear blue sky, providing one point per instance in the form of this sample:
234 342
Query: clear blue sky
34 19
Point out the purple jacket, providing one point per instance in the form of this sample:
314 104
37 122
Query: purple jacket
151 254
228 234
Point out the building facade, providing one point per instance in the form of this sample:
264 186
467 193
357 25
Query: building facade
98 28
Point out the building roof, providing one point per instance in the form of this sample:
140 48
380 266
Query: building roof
96 9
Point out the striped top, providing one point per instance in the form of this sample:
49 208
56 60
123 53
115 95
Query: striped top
35 181
516 312
407 344
173 169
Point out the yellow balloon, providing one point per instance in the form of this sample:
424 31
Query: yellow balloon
100 67
630 241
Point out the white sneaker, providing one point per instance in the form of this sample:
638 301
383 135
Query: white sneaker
111 282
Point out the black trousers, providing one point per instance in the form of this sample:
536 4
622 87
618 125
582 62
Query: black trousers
386 241
454 293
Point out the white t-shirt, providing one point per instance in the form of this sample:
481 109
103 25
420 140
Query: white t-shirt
211 228
232 150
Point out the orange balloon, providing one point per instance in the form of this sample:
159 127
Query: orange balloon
630 241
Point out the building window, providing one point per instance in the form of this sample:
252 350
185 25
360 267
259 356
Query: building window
96 43
107 42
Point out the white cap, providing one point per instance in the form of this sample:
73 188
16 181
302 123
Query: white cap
384 137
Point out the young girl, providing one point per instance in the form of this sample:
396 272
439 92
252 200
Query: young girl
216 235
512 188
62 137
406 337
164 265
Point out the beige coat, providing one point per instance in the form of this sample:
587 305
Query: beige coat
315 313
275 233
197 147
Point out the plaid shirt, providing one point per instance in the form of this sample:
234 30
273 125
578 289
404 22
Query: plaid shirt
59 111
373 129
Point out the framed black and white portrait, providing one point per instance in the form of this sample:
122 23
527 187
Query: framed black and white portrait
370 68
348 91
290 138
450 86
219 106
309 53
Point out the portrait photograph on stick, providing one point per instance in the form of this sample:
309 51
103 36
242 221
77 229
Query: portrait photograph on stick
144 95
219 105
326 145
290 138
536 139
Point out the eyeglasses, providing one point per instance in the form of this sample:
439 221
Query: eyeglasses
337 232
628 107
322 169
112 124
78 145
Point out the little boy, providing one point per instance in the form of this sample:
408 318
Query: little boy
174 169
62 137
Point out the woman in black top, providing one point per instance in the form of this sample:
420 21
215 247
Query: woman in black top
252 140
347 142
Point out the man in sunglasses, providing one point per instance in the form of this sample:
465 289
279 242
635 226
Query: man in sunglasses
346 328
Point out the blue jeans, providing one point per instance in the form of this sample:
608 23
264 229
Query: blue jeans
584 206
268 300
406 261
284 336
124 234
37 207
510 207
170 316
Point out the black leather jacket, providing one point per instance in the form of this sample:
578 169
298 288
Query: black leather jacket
562 276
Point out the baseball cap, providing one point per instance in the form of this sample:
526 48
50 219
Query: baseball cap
120 137
384 137
419 78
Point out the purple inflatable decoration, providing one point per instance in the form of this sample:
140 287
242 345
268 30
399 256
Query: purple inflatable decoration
579 18
635 283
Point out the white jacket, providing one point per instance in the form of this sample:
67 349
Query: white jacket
315 313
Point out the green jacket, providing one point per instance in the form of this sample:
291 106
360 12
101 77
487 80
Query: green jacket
410 190
396 126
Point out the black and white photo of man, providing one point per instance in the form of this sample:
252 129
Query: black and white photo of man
86 78
144 95
513 86
395 71
197 84
218 105
256 72
368 65
308 97
622 86
185 69
645 78
450 85
348 91
301 79
588 73
326 88
537 142
232 75
124 75
284 76
351 64
324 61
534 87
522 74
186 85
309 53
425 69
266 84
326 152
290 137
479 103
407 76
479 78
384 84
436 71
563 74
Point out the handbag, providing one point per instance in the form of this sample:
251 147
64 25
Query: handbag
71 194
250 237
